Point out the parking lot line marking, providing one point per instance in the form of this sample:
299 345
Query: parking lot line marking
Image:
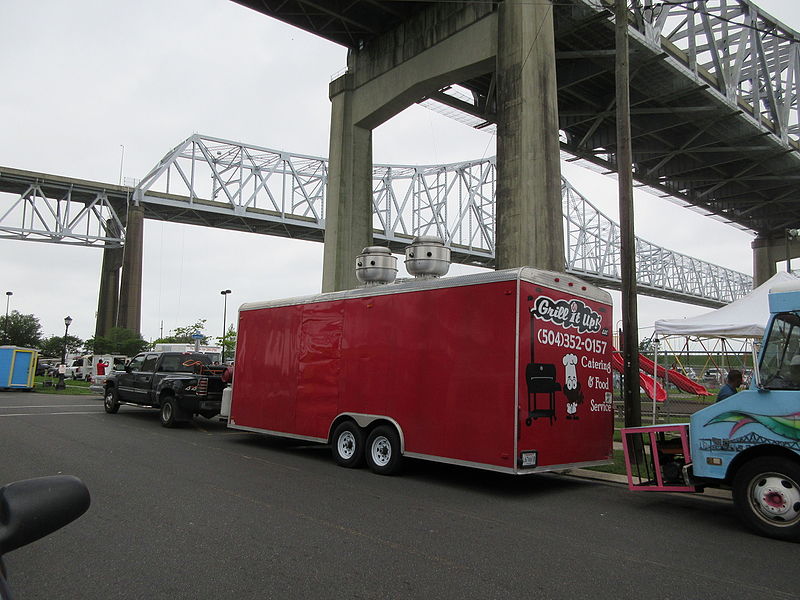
49 406
38 414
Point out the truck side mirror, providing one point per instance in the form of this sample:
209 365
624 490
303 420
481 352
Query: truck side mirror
127 368
756 348
34 508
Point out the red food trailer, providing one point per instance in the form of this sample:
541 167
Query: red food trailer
503 370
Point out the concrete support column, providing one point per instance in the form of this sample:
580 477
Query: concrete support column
771 254
348 213
130 295
530 229
108 300
764 260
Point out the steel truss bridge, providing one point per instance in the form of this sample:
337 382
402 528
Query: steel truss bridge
715 116
219 183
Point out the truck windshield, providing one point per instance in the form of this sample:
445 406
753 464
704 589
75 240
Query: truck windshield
183 363
780 360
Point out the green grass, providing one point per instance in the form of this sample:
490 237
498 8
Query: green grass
73 387
618 467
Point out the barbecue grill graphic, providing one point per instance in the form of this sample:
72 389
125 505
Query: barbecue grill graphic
541 379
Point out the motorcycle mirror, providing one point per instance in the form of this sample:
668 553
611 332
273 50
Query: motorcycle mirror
34 508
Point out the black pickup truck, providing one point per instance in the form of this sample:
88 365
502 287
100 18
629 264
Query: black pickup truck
180 384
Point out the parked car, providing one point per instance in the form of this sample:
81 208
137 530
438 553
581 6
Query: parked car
45 366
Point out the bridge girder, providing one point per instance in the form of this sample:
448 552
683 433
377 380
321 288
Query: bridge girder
213 182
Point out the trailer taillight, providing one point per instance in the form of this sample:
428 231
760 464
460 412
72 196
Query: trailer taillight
202 386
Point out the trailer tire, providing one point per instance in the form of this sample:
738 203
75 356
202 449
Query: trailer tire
383 450
171 415
110 401
766 493
347 445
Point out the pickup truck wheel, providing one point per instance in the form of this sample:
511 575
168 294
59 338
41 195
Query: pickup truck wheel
169 413
766 492
110 402
383 450
348 445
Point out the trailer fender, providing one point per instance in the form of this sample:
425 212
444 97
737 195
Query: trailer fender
366 422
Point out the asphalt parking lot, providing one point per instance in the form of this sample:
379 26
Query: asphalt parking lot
206 512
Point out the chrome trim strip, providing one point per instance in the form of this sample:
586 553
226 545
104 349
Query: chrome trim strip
232 425
517 406
461 463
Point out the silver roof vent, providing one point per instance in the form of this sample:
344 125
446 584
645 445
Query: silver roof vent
427 257
376 265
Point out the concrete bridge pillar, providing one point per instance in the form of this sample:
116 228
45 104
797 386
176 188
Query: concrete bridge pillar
348 214
770 254
530 228
445 44
130 295
108 301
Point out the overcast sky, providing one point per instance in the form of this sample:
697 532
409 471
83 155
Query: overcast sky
85 78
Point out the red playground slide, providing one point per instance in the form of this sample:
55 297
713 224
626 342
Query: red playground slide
645 381
679 379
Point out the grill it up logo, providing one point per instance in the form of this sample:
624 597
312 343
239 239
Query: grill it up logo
567 313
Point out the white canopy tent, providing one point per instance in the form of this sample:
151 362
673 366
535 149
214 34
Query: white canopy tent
744 318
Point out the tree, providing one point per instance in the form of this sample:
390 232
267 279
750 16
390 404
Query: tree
118 341
228 342
53 346
183 335
20 330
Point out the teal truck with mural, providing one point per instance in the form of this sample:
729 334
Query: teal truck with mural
748 443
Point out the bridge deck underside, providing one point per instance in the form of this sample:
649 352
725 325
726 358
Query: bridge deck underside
725 157
688 141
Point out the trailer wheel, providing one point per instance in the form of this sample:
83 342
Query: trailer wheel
170 413
348 445
766 492
110 402
383 450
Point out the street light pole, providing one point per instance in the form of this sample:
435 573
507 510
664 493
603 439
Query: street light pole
62 370
224 319
5 329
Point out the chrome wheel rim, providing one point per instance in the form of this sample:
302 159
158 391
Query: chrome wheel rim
381 451
166 411
109 400
775 498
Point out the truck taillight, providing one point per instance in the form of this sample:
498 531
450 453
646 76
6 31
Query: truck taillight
202 386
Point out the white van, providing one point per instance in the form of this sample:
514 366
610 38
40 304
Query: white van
90 366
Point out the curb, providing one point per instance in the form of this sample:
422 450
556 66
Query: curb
623 480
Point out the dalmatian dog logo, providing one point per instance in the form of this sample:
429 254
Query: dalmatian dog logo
572 387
